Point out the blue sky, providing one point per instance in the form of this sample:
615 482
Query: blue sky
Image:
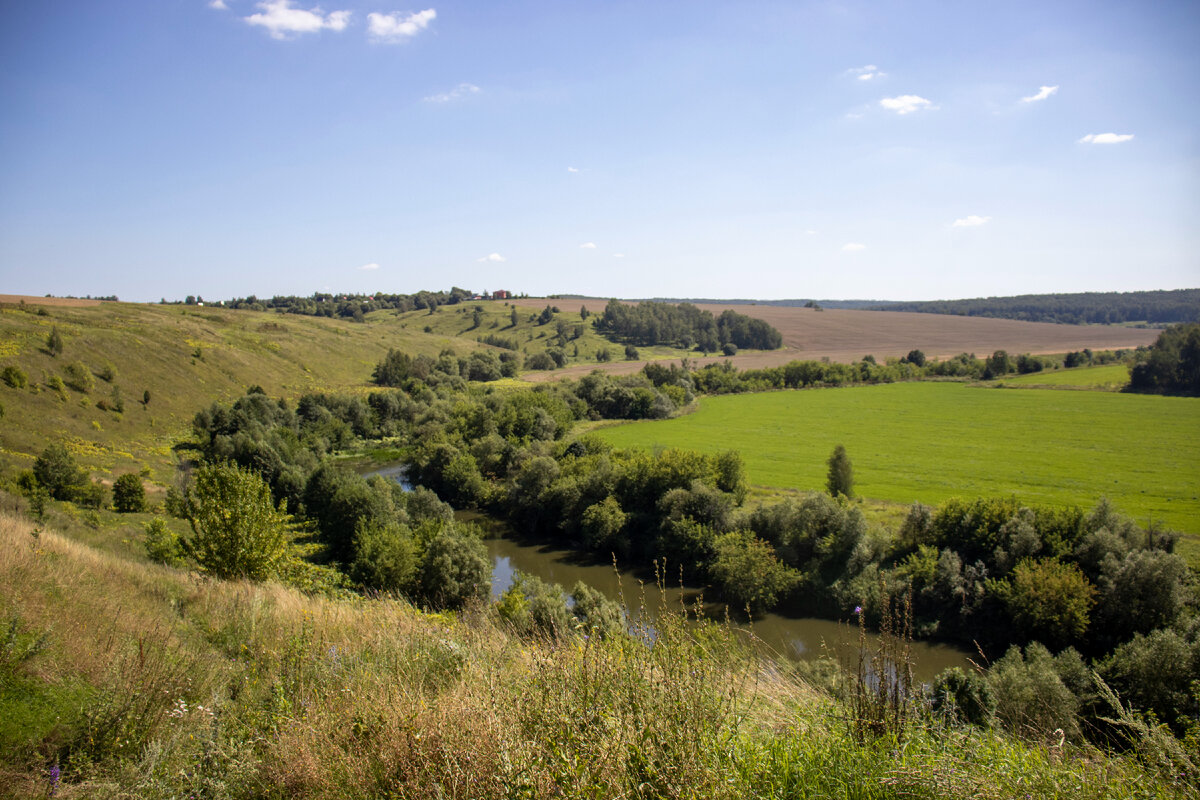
896 150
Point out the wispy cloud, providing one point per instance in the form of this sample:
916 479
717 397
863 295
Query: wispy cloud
492 257
1042 94
868 72
1106 138
906 103
853 247
460 91
369 267
219 5
588 246
970 221
618 255
399 27
283 21
572 169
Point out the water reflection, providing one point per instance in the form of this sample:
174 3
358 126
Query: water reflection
796 638
793 637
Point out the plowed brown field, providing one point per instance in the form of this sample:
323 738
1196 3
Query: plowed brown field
846 335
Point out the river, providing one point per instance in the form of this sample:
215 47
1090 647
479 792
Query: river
791 637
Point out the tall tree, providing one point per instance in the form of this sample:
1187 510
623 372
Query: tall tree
841 474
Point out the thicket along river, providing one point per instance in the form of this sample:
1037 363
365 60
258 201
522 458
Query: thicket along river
792 637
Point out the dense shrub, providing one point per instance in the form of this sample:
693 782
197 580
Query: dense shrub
57 472
455 569
237 532
129 495
15 377
78 377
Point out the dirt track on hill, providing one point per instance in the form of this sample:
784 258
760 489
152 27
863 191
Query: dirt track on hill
847 335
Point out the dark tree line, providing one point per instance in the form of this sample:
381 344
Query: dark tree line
685 326
1178 305
348 306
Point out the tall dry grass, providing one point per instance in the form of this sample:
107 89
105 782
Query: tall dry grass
156 684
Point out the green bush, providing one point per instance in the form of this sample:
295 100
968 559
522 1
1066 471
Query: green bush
748 572
1156 673
162 544
1031 699
57 473
78 377
455 569
129 495
385 557
15 377
92 496
237 532
1049 601
964 697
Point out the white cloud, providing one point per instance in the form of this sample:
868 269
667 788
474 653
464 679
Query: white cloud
219 5
1042 94
810 233
588 246
906 103
371 266
281 20
394 28
853 247
970 221
868 72
572 169
492 257
462 90
1106 138
618 255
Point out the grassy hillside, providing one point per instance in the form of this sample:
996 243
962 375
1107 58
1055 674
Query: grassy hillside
933 441
189 356
121 679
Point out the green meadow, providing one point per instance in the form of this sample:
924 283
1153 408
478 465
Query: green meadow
931 441
1106 376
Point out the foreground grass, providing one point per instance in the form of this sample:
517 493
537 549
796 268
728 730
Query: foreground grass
155 683
931 441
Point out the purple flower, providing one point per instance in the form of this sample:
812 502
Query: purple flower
858 610
54 776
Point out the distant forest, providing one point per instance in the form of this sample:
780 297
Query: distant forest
1158 307
1179 305
351 306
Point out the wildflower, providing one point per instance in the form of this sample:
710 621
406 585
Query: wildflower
55 774
858 610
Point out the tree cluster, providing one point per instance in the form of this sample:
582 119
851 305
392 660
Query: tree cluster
1172 364
685 326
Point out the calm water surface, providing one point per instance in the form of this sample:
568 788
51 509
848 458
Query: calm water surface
793 637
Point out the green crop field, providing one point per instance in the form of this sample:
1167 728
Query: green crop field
1107 376
931 441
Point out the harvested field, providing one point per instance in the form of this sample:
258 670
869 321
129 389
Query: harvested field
847 335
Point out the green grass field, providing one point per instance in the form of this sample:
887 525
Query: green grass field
1107 376
931 441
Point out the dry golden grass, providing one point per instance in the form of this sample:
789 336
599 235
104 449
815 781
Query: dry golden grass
34 300
206 688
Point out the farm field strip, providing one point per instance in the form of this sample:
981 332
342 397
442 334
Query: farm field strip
928 442
1107 375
